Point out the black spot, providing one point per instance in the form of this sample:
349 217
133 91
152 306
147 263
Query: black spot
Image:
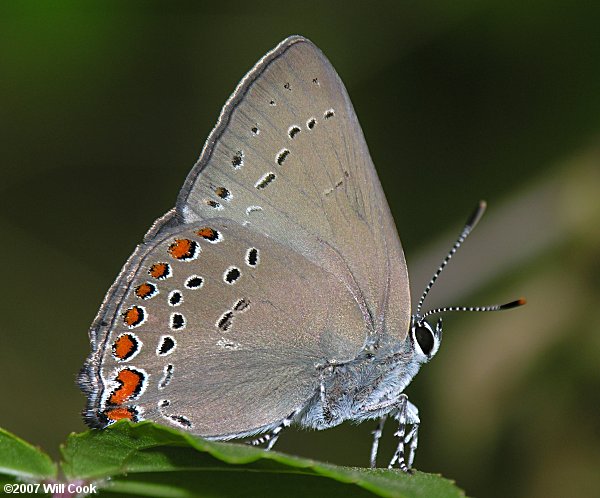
252 256
232 275
287 86
336 186
181 420
164 403
223 193
241 305
328 113
212 204
177 321
194 282
167 345
175 298
209 234
294 130
225 321
316 81
311 123
265 180
238 159
282 155
255 130
272 102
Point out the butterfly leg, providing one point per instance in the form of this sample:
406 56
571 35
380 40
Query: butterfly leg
376 436
272 436
407 415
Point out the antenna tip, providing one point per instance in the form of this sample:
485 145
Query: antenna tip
514 304
475 216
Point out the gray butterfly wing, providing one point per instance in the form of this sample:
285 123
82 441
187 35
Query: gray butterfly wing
218 331
288 157
287 172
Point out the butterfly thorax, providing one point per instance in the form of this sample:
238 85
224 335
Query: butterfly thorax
365 388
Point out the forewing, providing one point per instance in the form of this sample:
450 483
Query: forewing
288 158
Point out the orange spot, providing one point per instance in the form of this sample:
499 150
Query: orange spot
207 233
131 382
159 270
133 316
144 290
522 301
182 249
124 347
120 413
222 192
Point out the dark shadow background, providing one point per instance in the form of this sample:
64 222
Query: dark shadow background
458 101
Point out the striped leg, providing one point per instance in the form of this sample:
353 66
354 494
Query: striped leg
413 440
376 437
407 414
272 436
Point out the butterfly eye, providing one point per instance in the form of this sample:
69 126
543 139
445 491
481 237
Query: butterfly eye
424 337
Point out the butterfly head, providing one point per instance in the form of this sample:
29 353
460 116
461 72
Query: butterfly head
425 338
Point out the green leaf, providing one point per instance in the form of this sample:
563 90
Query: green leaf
151 460
21 460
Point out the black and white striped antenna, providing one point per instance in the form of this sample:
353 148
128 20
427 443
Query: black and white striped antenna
468 228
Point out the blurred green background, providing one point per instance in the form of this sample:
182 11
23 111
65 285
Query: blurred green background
458 101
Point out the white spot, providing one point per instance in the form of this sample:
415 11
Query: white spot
228 344
253 209
167 376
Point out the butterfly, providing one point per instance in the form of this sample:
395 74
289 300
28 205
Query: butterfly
276 291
